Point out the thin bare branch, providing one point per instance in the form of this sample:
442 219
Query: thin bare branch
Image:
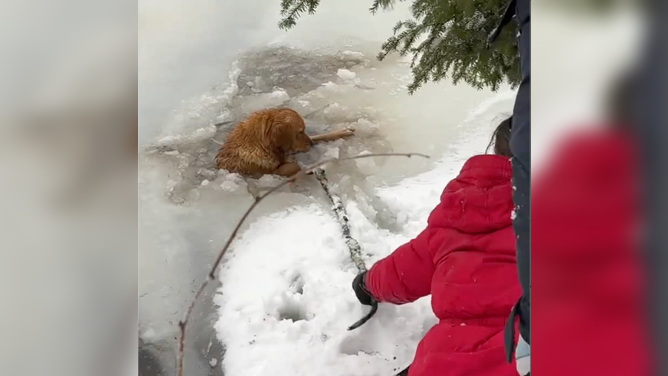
212 273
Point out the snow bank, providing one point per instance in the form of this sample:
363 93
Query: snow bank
286 302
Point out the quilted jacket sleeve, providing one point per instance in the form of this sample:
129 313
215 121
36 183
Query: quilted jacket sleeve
406 274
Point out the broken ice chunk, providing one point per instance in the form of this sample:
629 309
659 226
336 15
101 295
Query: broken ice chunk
346 75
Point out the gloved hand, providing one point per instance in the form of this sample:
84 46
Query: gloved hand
523 357
359 286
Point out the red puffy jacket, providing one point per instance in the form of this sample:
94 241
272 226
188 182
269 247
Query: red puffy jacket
465 259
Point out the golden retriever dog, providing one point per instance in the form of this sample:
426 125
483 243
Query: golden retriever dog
264 143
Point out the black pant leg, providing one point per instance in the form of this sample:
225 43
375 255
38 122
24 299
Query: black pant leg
521 148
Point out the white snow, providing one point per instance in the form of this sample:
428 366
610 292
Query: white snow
294 270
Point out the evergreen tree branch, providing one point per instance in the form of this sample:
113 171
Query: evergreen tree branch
447 40
291 10
381 4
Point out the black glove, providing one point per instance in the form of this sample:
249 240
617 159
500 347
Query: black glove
359 286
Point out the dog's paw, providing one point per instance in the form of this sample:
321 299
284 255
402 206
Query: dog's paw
347 132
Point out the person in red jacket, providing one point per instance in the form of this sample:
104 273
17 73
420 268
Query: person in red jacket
465 259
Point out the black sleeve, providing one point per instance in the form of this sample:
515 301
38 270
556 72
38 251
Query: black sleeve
520 145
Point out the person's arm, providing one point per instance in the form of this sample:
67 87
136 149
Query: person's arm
406 274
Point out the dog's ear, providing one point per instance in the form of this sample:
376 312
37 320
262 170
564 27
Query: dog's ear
279 134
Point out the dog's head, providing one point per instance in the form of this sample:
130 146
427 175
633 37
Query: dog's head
286 131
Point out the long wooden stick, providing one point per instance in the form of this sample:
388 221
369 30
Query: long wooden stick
342 217
353 246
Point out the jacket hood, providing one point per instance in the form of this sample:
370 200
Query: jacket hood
479 200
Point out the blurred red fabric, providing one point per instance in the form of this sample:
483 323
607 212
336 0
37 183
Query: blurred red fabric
588 288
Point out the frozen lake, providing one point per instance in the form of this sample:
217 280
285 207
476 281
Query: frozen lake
207 62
